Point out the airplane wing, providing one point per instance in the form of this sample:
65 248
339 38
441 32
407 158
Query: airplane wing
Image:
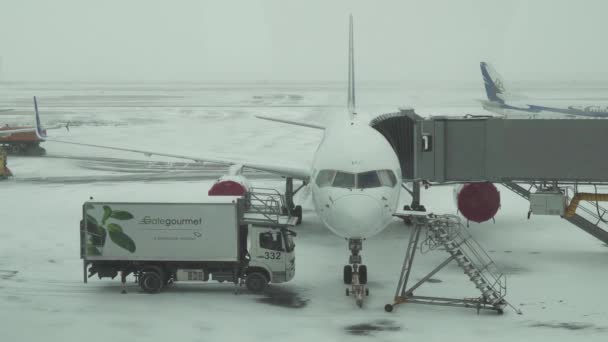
282 168
289 169
292 122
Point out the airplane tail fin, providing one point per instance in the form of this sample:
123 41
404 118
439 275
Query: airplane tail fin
495 88
40 132
351 71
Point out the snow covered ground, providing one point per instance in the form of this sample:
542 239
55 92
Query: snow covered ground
556 273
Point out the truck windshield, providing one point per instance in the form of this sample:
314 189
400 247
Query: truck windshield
271 241
289 244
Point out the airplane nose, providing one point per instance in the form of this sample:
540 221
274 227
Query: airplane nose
356 216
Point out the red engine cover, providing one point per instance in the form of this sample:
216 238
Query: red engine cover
227 188
478 202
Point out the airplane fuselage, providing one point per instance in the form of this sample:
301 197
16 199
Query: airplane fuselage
355 180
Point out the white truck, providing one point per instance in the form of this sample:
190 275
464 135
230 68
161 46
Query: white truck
162 243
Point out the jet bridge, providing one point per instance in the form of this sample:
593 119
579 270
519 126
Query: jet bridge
543 160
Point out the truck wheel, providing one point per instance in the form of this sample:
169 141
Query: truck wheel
297 212
362 274
256 282
348 274
151 281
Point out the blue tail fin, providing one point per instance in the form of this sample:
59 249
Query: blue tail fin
493 82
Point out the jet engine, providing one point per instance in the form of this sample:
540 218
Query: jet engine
477 202
230 185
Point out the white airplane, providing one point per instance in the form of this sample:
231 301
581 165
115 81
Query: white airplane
502 102
354 178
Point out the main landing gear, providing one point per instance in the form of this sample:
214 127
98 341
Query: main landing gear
294 210
355 274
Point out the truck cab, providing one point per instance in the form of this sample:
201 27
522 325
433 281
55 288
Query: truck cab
272 250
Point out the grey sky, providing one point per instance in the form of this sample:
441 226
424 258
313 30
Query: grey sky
148 40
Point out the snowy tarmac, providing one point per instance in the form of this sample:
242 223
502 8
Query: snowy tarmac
556 273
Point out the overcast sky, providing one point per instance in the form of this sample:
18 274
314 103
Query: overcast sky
197 40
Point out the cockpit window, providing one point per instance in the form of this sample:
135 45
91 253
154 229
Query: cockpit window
363 180
376 179
368 180
344 180
325 178
387 178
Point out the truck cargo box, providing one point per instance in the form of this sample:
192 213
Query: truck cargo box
162 231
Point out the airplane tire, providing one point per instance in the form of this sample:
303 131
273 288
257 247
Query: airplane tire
348 274
362 274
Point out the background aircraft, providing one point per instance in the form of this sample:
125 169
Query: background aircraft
502 102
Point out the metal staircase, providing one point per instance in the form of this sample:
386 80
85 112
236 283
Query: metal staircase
447 231
589 215
267 207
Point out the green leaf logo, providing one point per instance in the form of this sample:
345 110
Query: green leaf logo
92 250
113 227
96 232
91 220
117 235
121 215
122 240
107 211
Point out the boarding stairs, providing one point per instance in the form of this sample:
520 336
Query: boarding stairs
590 216
267 207
448 232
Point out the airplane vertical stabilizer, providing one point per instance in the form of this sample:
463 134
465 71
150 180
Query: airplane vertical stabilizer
495 89
351 71
39 130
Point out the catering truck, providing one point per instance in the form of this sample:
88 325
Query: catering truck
162 243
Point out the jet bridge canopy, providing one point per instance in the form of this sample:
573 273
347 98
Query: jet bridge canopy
464 149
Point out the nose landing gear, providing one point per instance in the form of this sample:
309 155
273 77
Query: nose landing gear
355 274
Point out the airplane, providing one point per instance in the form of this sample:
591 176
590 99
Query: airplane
26 140
502 102
8 131
354 177
23 139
